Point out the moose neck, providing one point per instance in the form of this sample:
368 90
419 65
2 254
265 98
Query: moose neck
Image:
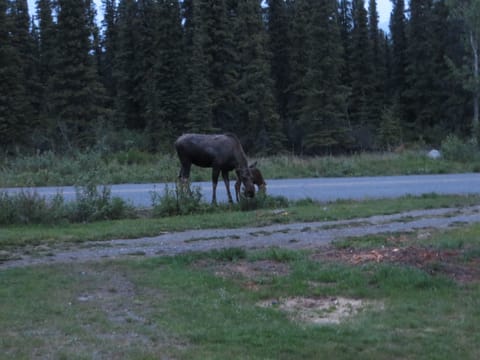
241 161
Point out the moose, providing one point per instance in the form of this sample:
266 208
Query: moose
221 152
257 180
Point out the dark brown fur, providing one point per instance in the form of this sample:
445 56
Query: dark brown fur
223 153
257 180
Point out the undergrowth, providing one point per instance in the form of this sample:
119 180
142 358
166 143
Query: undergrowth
92 203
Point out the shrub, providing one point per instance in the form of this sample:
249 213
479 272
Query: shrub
177 201
93 203
454 149
28 207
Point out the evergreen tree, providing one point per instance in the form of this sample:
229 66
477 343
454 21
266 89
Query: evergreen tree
257 118
468 12
323 115
299 63
48 53
419 89
199 116
76 92
362 75
47 34
23 40
346 26
14 101
450 100
127 68
164 81
218 49
278 28
399 49
109 47
379 76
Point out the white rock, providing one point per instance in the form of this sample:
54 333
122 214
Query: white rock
434 154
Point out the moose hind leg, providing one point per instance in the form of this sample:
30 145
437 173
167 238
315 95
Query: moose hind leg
215 174
183 177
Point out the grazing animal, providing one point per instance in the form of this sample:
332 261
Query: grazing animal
257 180
223 153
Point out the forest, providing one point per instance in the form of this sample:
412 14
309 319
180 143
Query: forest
307 77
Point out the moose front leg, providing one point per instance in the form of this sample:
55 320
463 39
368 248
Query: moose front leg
226 180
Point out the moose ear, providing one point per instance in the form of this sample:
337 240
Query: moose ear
253 165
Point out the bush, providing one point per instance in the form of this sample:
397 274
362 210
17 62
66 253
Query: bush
28 207
178 201
94 203
454 149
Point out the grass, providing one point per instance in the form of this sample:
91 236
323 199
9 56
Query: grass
137 167
180 307
14 236
193 307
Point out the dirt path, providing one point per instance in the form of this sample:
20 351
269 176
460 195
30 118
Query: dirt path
294 236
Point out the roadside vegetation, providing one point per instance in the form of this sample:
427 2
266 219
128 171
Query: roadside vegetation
150 223
258 305
136 166
382 296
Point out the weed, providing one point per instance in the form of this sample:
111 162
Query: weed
456 150
91 204
129 163
262 201
177 201
279 255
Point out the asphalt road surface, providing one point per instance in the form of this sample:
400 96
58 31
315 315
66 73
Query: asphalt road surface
323 189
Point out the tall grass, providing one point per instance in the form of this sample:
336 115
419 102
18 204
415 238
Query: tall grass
92 203
134 166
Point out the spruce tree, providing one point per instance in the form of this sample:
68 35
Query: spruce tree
419 89
399 52
345 21
296 91
468 13
128 68
14 101
219 51
258 121
323 115
109 43
450 105
362 75
48 54
76 92
379 76
278 22
164 83
199 104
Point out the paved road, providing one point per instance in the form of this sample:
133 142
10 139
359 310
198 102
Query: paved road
323 189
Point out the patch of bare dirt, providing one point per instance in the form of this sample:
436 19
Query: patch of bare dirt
252 270
321 311
449 262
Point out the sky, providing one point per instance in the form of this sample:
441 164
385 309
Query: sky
384 8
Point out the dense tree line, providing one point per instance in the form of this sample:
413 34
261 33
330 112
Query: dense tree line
306 76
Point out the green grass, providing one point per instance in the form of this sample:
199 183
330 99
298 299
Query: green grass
305 211
181 308
137 167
